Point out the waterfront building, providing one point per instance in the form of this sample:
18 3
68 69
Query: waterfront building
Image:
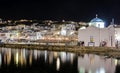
93 36
117 35
97 34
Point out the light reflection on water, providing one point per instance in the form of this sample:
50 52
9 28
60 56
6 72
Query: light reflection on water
96 64
60 62
0 59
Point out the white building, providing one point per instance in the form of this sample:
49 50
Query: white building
38 35
3 36
67 29
97 35
93 36
117 34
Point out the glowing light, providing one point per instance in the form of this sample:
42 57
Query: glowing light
58 64
17 59
21 59
82 70
8 57
71 58
63 56
63 32
83 27
55 54
45 56
116 61
0 59
30 59
72 32
117 36
101 70
50 58
35 54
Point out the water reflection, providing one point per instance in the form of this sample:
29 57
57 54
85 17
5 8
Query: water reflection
95 64
36 61
45 54
0 60
117 66
7 57
16 58
28 58
58 64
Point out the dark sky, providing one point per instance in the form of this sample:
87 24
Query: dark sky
76 10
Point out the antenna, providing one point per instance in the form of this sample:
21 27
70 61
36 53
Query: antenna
112 21
96 15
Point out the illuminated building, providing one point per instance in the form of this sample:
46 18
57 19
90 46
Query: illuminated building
99 35
67 29
117 34
97 22
94 36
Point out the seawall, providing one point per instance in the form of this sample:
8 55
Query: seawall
106 51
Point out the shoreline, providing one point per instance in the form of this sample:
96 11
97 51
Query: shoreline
104 51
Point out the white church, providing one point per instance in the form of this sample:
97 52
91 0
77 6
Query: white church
99 35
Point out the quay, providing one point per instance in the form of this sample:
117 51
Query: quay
105 51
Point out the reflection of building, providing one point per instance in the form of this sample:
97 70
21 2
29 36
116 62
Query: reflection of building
0 59
1 20
95 64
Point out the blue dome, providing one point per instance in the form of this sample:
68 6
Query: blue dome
96 20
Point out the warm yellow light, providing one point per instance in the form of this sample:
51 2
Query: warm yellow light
116 61
17 59
58 64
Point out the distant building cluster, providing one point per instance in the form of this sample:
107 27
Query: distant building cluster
35 32
93 33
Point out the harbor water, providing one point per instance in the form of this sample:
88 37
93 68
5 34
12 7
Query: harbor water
43 61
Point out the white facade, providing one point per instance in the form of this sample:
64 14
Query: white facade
67 29
97 24
117 35
38 35
94 35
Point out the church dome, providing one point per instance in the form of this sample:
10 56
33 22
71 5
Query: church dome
97 22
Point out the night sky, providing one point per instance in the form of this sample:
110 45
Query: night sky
76 10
